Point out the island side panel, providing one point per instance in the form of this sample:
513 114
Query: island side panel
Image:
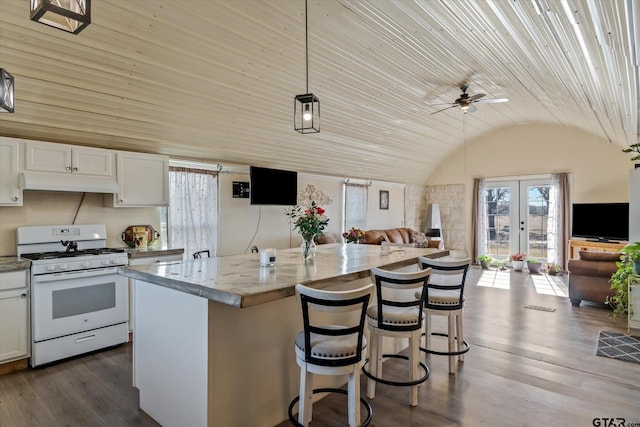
170 354
253 371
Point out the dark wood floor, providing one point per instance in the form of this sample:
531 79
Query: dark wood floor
526 367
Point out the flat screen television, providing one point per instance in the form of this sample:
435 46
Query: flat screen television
272 186
600 221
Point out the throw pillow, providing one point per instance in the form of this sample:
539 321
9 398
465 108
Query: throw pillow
435 244
420 240
599 256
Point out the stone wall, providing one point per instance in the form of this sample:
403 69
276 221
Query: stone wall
415 209
450 199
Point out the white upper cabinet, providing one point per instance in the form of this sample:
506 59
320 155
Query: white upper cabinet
10 192
62 158
143 180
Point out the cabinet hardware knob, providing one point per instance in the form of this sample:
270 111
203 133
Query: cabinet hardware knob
15 199
75 169
68 168
23 296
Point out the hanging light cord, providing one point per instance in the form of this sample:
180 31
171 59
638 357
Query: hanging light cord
306 41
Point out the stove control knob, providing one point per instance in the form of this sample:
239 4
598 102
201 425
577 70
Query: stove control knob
51 267
105 262
116 261
86 264
64 266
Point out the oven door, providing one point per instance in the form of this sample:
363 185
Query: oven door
67 303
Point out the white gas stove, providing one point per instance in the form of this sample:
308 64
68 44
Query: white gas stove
79 303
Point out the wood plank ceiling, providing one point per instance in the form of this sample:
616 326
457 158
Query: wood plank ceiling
215 80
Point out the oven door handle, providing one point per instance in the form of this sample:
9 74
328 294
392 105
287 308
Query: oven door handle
54 277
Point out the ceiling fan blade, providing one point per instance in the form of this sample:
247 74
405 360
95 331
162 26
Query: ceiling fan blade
475 97
451 106
492 100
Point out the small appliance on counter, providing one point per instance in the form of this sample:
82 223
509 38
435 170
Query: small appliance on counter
140 236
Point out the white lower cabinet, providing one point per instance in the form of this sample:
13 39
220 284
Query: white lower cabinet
14 315
146 260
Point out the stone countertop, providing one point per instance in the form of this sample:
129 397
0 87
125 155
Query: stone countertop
151 252
12 263
240 281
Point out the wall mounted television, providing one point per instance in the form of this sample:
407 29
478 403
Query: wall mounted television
600 221
273 186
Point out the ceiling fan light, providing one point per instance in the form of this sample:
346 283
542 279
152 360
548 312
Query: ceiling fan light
464 107
71 16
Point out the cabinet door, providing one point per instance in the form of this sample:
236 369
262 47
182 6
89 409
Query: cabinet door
143 180
14 320
10 193
47 157
93 161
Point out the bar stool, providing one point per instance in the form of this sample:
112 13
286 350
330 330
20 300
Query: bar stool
331 349
397 313
445 296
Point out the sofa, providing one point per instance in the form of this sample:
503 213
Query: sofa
400 236
589 276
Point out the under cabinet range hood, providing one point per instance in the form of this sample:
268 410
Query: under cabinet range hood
68 182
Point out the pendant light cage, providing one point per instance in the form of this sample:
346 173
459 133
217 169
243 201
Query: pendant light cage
7 104
71 16
306 108
306 112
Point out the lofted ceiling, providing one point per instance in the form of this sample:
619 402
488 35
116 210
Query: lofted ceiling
215 80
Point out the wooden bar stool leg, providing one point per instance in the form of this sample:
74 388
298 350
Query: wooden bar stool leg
375 360
354 397
305 406
460 336
414 360
452 342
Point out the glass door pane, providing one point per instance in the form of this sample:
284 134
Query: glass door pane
534 218
502 217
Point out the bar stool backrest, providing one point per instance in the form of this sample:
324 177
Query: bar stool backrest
400 291
320 328
446 276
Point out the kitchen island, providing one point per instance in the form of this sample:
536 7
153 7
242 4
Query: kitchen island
213 338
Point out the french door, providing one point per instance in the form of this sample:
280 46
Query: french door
518 218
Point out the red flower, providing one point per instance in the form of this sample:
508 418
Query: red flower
319 210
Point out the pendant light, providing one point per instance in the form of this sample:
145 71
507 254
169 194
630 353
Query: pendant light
72 16
306 108
6 92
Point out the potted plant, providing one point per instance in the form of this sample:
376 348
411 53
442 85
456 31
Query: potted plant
485 261
534 265
355 235
517 261
629 262
554 269
633 148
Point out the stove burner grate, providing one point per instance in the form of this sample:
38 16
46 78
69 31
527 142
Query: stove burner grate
62 254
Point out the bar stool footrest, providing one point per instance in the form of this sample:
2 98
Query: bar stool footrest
397 383
465 347
366 405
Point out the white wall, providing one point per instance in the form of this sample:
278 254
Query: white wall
242 225
59 208
634 205
599 169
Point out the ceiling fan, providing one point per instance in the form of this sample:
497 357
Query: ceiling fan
466 101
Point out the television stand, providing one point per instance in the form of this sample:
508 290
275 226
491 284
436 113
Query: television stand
575 246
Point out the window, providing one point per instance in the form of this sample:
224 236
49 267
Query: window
192 214
355 206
